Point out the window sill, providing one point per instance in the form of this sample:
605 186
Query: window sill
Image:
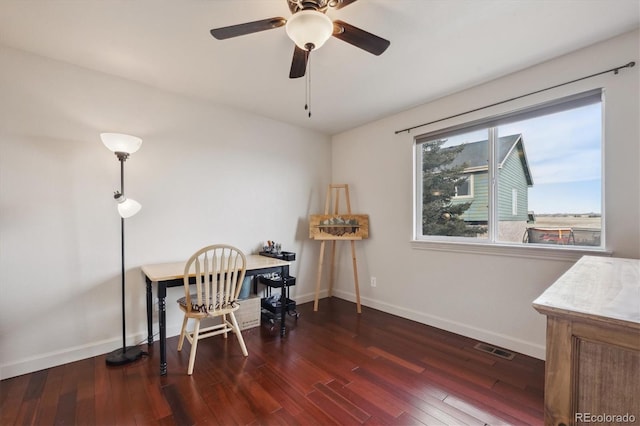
560 253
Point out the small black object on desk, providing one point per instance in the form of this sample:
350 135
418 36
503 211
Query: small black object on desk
284 255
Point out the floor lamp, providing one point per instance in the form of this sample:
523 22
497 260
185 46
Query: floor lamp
123 145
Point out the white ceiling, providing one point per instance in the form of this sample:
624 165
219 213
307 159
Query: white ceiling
437 47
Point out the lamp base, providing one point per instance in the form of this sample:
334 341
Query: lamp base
118 357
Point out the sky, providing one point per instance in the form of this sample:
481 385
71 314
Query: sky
564 151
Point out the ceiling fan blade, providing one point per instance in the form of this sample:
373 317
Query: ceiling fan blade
359 38
247 28
299 63
344 3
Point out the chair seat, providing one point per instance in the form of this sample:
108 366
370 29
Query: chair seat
208 307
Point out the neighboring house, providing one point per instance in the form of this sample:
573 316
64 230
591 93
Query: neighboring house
514 179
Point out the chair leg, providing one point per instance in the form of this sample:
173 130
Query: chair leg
194 346
236 330
224 321
182 333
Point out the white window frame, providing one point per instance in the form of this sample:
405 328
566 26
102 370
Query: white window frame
491 245
469 177
514 201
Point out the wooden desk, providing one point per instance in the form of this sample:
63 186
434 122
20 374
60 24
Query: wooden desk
593 342
166 275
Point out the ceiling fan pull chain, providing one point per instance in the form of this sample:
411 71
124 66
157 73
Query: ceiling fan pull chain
306 94
309 84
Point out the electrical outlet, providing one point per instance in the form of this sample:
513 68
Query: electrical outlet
373 282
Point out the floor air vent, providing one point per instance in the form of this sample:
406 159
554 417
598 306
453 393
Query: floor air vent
502 353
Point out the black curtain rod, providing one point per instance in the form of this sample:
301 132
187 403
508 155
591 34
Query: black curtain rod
614 70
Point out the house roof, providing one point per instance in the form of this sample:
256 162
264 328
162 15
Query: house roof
475 154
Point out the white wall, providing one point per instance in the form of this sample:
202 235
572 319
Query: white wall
204 174
481 295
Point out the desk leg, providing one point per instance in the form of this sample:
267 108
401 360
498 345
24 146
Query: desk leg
162 317
149 313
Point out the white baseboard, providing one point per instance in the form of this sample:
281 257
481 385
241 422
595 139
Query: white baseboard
55 358
487 336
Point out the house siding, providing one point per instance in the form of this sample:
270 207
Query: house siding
478 211
512 176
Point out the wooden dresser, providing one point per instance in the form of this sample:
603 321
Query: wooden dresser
593 343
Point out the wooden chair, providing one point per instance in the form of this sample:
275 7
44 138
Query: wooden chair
219 271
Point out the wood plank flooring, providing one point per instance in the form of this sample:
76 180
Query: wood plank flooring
334 367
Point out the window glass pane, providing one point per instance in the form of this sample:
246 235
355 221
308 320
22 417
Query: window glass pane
454 185
549 178
463 188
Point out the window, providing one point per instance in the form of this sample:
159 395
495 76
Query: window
464 188
511 178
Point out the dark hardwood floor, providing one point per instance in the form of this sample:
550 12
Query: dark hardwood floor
333 367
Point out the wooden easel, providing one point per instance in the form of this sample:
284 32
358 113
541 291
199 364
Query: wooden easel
335 189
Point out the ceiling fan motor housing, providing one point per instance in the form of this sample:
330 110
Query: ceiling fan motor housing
319 5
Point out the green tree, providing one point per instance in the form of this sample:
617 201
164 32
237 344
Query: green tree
439 215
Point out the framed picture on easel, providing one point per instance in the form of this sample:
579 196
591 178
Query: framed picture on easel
339 226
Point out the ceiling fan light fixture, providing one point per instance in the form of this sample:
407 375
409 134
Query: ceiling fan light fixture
309 27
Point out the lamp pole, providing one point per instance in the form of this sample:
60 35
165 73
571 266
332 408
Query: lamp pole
122 159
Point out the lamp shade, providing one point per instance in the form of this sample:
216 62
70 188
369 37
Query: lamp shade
309 27
119 142
127 207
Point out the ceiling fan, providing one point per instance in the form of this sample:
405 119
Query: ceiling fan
309 27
